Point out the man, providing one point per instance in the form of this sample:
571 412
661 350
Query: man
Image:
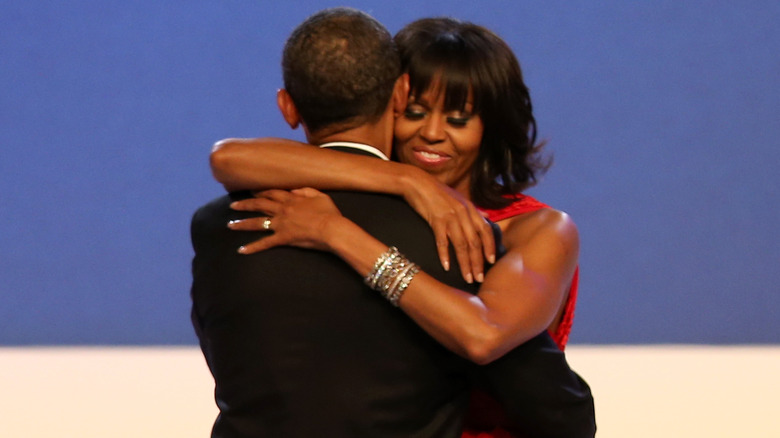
298 346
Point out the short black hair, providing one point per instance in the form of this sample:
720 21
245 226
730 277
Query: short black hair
340 67
466 57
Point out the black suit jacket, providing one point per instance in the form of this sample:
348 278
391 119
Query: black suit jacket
298 346
540 394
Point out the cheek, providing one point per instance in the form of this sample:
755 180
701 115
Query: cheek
403 129
469 144
403 132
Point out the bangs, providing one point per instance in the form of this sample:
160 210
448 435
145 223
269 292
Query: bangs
444 67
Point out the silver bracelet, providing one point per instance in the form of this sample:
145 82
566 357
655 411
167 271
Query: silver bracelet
384 260
395 295
391 275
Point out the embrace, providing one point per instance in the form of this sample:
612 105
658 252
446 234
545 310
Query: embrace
419 296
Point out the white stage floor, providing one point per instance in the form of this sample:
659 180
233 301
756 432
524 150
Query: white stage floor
640 391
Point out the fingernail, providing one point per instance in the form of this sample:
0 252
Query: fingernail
447 265
231 223
480 277
492 258
242 250
469 278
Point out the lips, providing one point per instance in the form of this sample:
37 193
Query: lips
430 158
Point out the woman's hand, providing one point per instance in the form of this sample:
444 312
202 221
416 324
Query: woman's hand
453 219
297 218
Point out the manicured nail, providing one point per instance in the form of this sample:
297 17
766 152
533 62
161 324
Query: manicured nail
492 258
447 265
231 223
480 277
469 278
242 250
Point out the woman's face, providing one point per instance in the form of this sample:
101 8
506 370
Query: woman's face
443 143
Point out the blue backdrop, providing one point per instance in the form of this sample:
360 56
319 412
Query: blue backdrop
663 116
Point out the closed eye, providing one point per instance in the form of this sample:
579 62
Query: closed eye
458 121
414 115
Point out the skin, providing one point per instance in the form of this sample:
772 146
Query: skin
265 163
521 295
443 143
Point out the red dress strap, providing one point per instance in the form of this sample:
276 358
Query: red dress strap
561 334
520 204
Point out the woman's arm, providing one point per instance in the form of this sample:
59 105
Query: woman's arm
518 299
264 163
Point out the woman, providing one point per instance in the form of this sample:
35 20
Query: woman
468 125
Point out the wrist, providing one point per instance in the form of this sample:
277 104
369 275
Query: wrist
350 242
409 178
334 231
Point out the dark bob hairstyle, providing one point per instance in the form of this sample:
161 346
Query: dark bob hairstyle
463 56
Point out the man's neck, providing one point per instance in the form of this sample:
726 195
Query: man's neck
378 135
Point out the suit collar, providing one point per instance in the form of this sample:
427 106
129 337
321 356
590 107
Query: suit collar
349 145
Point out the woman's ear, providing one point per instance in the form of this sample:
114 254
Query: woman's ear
400 94
288 108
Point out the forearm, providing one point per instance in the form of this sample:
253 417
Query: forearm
477 327
464 323
263 163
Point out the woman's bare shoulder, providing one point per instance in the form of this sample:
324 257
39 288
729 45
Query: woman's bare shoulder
540 226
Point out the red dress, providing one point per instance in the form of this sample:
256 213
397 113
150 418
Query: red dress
481 402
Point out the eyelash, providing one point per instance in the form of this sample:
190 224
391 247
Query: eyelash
458 121
414 115
454 121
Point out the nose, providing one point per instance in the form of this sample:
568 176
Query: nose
433 129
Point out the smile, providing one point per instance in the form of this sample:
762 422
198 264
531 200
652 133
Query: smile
430 158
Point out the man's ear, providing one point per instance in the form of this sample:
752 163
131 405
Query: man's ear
288 109
400 94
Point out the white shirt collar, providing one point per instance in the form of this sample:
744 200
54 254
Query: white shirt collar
361 146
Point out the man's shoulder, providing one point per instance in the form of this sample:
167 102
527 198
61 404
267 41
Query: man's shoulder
208 226
222 202
217 207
